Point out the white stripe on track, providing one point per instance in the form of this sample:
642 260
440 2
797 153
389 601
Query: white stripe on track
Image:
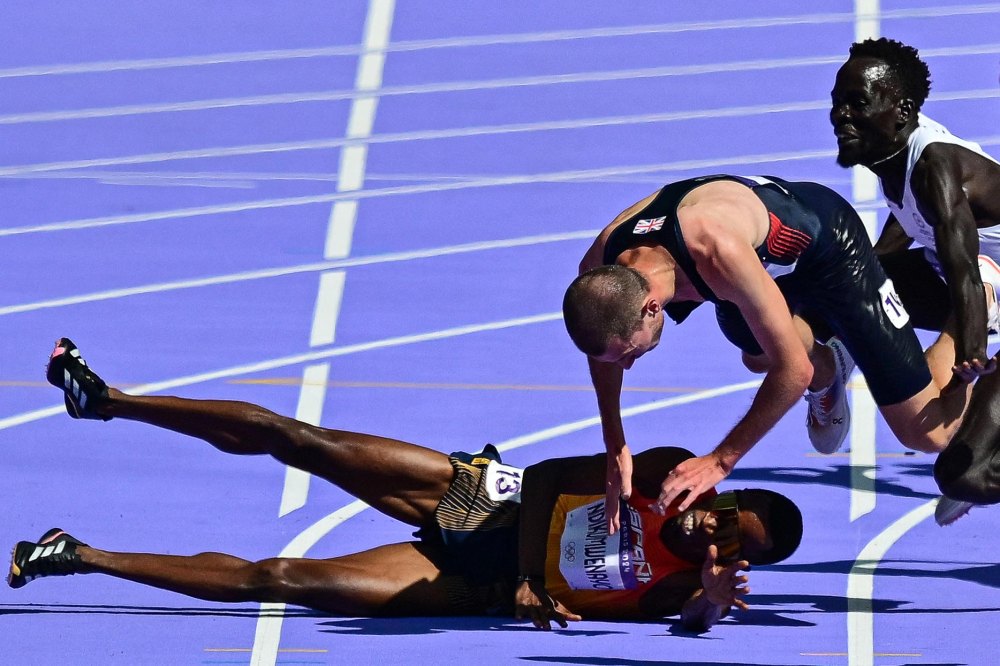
865 190
340 228
582 175
296 359
458 132
329 296
457 86
861 585
268 630
486 40
315 379
574 426
299 269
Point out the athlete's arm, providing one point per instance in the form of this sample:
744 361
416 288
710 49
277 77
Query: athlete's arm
723 586
607 381
731 268
937 186
892 238
702 597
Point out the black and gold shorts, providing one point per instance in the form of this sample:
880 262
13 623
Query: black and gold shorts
477 520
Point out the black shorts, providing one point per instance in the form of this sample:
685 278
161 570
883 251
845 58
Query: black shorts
478 534
841 282
922 290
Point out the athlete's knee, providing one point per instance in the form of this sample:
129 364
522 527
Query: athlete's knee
961 476
923 441
269 580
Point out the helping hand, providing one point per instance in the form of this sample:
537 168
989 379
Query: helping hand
694 476
619 486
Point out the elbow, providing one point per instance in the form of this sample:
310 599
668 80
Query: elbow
804 376
798 374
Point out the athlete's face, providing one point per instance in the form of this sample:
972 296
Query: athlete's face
689 534
624 353
864 112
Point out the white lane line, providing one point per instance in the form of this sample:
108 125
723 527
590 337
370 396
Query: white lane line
574 426
868 20
861 585
269 623
309 410
327 310
471 183
340 228
486 40
864 190
299 269
427 88
458 86
361 120
458 132
295 359
416 135
267 634
862 458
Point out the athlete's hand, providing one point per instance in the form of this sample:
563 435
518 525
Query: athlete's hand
693 476
969 371
723 583
532 602
619 486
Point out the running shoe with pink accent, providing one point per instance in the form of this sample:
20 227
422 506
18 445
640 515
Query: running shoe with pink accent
829 417
83 390
52 555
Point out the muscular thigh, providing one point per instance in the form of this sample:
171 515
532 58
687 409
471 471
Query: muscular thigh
402 480
400 579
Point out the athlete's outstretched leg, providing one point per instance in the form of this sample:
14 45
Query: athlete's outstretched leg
969 468
397 579
402 480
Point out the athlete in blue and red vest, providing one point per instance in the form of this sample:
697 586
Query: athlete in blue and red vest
771 255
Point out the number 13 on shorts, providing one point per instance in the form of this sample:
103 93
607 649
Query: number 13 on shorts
892 306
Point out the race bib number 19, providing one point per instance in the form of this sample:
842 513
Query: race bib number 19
892 306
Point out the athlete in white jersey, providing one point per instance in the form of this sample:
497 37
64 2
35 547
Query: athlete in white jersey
944 193
907 210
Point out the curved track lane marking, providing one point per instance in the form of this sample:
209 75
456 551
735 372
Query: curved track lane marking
861 584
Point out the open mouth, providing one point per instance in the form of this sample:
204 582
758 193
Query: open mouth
688 523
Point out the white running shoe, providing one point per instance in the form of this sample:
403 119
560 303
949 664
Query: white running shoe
990 273
829 417
948 510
